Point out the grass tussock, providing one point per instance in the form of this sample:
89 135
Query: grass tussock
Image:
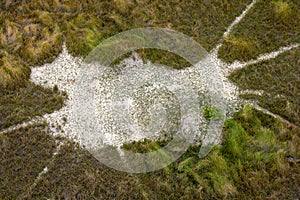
13 72
42 48
23 155
283 11
257 159
124 6
251 162
258 156
238 48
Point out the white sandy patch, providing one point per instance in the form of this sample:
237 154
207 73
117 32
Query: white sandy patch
63 72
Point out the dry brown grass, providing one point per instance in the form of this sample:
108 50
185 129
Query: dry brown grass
124 6
283 11
13 72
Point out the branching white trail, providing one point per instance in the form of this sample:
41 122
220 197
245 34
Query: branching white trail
255 92
63 72
239 18
54 75
235 22
227 69
261 93
262 57
45 170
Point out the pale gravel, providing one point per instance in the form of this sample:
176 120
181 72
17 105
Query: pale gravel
63 72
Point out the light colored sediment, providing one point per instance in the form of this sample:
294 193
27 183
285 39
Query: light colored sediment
63 72
261 93
255 92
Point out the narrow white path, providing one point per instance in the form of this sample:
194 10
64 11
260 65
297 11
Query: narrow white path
261 93
239 18
264 110
235 22
34 121
28 192
262 57
255 92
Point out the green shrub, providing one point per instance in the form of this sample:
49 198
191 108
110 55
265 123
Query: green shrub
212 113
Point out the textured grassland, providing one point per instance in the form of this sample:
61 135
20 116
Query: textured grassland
280 79
26 102
256 160
23 155
258 156
269 25
33 31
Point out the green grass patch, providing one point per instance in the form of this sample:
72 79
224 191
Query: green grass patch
211 113
257 158
239 48
251 162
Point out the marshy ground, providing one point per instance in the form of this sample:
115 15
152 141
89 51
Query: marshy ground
259 154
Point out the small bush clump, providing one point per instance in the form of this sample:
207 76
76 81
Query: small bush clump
283 10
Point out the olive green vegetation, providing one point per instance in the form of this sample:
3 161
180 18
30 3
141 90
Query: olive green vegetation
27 102
75 174
280 79
144 146
211 113
251 163
23 155
259 156
256 160
269 25
33 31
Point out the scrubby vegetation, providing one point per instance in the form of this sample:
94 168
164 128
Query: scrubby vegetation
269 25
259 156
33 31
279 78
23 155
257 159
27 102
144 146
